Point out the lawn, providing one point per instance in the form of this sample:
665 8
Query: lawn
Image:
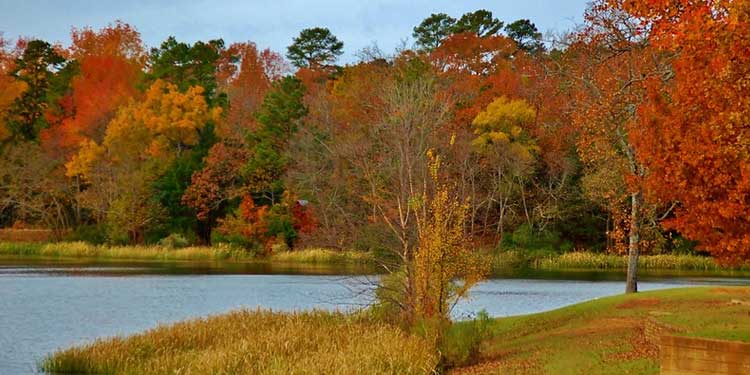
615 335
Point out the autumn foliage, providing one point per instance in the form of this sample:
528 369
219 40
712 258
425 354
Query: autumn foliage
627 135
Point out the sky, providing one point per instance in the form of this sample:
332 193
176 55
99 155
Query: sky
273 24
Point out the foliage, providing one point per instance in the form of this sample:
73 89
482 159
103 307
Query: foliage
174 241
443 269
315 48
462 341
693 126
433 29
526 35
35 68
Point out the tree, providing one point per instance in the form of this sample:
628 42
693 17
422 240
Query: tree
612 62
279 117
188 65
315 48
212 187
110 65
10 90
257 70
507 151
36 68
140 144
526 35
693 133
444 268
479 22
432 30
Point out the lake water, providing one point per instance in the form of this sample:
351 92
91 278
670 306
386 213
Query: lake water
48 306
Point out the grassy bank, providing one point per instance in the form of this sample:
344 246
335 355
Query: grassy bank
255 342
161 253
612 336
513 259
504 260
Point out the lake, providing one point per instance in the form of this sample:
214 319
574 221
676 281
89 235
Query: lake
46 306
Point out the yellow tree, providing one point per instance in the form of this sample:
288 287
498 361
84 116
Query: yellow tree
444 265
507 154
139 144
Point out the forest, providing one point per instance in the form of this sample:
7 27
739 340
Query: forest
628 135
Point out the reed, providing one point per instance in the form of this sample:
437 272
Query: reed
599 261
255 342
324 256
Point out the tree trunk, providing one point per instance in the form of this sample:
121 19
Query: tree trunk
631 285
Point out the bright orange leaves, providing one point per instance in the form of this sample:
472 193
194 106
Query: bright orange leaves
694 138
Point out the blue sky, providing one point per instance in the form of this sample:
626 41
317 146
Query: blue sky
269 23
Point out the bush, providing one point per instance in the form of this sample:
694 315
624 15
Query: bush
174 241
525 237
461 342
94 234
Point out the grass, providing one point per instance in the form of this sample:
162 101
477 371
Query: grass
85 250
599 261
324 256
255 342
194 253
614 335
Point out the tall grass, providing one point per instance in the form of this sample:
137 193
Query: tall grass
599 261
85 250
324 256
162 253
255 342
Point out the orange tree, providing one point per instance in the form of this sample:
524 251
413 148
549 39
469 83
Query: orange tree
608 65
694 138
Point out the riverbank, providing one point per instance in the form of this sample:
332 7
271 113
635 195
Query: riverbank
256 342
614 335
192 253
583 260
608 336
502 261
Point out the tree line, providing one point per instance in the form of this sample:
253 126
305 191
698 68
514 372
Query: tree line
627 134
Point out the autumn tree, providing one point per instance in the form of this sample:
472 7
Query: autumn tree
10 89
140 144
444 267
246 88
110 63
508 154
693 133
612 62
315 48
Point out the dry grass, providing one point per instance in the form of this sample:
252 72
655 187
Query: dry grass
27 235
323 256
85 250
255 342
583 260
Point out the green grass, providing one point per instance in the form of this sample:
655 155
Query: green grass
581 260
615 335
255 342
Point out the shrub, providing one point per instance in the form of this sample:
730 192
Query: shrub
94 234
461 342
174 241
